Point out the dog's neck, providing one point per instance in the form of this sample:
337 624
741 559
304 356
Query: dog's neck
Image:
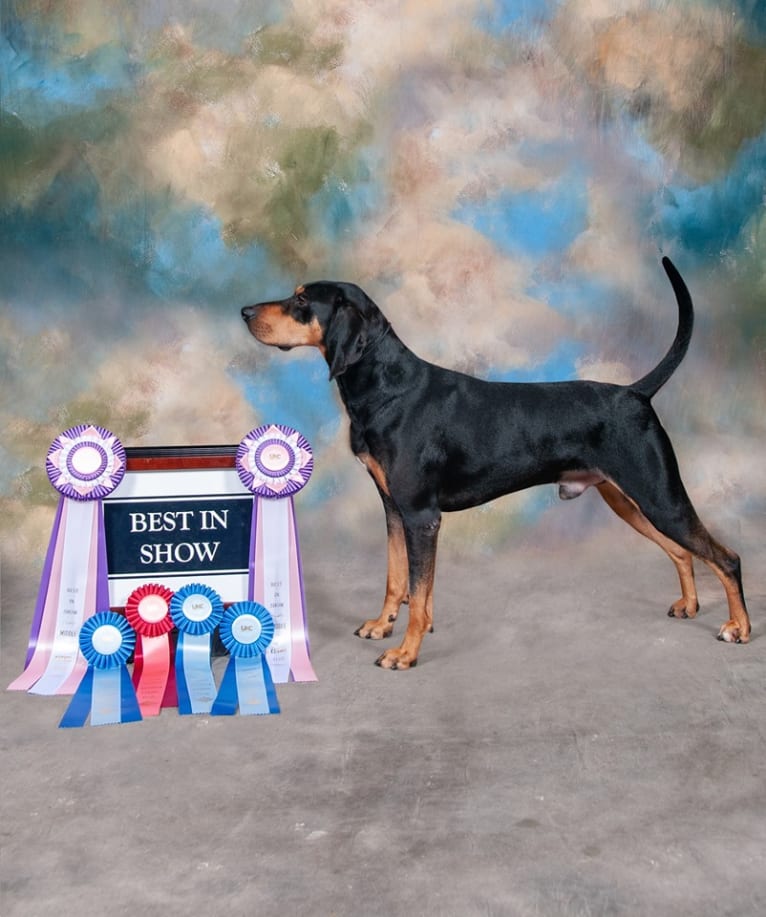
375 340
380 375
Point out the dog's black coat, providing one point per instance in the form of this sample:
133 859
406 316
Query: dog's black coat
436 440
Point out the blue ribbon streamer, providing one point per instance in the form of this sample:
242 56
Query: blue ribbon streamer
255 687
131 711
227 701
79 707
105 700
194 676
247 683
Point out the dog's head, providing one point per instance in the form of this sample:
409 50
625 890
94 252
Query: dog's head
338 318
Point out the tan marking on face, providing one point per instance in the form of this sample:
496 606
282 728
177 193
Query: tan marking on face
299 290
270 325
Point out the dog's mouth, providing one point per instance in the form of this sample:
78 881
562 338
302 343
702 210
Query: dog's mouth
267 327
260 329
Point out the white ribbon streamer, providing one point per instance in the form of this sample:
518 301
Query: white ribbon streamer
74 595
275 582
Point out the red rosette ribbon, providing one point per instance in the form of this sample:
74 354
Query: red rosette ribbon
148 610
148 613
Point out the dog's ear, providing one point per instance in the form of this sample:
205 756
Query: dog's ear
345 336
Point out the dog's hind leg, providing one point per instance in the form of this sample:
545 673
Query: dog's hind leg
676 524
421 534
397 577
727 567
687 606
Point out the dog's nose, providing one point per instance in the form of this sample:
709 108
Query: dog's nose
248 312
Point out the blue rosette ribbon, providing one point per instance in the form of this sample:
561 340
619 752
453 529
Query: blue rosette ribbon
246 631
196 611
106 692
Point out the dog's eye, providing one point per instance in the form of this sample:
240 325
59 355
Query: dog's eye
301 310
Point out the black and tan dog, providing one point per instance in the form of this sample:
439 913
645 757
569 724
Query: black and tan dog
435 440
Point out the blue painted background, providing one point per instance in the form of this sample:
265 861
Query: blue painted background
502 178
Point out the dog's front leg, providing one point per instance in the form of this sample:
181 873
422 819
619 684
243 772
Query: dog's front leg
421 531
396 580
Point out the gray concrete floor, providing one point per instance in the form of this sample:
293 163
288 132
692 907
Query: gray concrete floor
563 748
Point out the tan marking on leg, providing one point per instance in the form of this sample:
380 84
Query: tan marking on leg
687 606
737 628
420 621
376 470
396 586
421 613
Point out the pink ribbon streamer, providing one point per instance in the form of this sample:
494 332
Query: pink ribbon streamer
56 665
153 666
293 618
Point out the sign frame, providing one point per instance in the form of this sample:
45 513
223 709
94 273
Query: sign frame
167 495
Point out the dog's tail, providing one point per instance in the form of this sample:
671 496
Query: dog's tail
653 381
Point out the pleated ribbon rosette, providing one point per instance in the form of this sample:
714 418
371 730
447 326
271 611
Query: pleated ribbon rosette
105 692
246 630
274 462
148 612
196 610
84 464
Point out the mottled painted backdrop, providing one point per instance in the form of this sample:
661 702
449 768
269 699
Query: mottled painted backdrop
502 177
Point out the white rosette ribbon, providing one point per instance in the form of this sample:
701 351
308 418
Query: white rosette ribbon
84 464
274 462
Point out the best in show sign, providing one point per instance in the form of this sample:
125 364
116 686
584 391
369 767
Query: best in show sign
180 515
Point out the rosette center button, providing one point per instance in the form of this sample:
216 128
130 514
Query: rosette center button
87 459
276 458
152 608
246 629
197 607
106 639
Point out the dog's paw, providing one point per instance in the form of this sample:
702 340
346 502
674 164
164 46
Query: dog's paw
731 632
375 630
679 609
396 659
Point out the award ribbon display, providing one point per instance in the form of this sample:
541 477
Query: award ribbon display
105 692
274 462
246 631
148 613
84 464
196 611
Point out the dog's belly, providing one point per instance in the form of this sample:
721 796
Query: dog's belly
572 483
462 487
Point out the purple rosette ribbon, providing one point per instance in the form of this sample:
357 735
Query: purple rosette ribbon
274 462
246 631
84 464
